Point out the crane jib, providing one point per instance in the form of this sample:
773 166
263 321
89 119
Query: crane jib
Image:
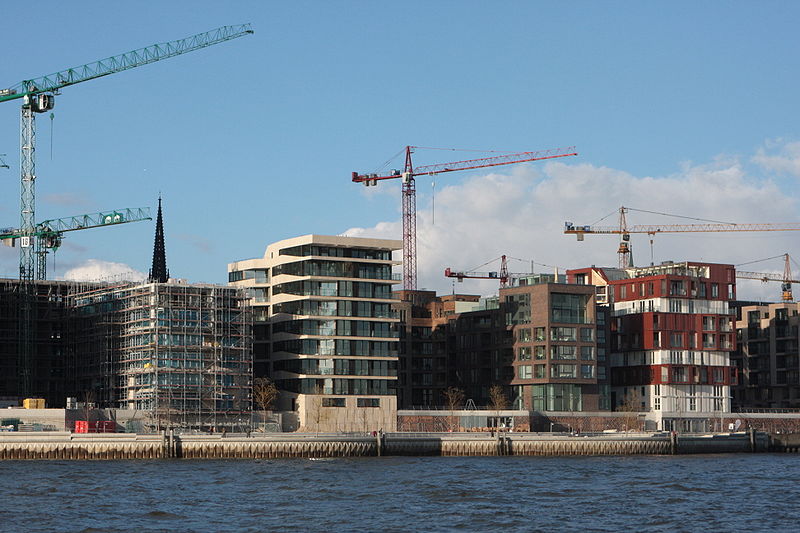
135 58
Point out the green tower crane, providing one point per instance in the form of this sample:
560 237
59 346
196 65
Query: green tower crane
49 234
38 96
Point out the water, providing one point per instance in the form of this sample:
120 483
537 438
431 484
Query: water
742 492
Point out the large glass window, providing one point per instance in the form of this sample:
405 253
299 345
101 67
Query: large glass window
524 371
569 308
562 352
524 353
538 352
562 371
562 334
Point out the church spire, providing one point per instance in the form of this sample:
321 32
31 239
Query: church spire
159 272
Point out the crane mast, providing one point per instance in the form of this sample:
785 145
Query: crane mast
786 279
409 201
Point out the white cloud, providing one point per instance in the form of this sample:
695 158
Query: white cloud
98 270
785 161
522 213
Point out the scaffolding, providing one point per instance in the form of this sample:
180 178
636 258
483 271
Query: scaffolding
179 353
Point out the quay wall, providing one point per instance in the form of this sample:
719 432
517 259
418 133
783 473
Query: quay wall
63 445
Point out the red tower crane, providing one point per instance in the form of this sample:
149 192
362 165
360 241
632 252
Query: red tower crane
409 192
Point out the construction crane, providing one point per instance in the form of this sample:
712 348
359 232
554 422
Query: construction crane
409 192
786 280
624 250
49 234
501 275
38 96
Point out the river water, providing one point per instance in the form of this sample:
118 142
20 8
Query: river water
744 492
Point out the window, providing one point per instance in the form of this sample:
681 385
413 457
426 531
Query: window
368 402
709 340
568 308
587 353
562 352
709 323
676 340
601 354
524 335
524 353
539 371
538 352
333 402
715 290
657 397
562 371
539 334
587 371
587 334
562 334
601 372
524 371
679 374
677 288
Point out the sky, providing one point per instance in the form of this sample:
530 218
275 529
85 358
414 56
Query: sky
686 108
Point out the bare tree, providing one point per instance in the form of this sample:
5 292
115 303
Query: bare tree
630 406
265 392
497 401
453 398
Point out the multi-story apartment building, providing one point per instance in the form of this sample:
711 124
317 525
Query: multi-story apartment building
672 336
767 356
542 342
325 330
554 330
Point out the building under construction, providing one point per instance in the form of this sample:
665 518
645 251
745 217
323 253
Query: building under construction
48 371
179 353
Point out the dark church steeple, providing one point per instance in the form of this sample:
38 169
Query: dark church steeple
159 272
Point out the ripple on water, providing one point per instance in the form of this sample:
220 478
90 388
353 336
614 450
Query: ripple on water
672 493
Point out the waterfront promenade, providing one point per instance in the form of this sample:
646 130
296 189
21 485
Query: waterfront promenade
65 445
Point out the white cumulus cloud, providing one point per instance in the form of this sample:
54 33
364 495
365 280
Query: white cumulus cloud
780 157
98 270
521 214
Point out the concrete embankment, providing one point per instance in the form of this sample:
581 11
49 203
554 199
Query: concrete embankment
62 445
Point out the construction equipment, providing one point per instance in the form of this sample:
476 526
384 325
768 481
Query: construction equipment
624 250
786 279
501 275
38 96
49 234
409 192
2 162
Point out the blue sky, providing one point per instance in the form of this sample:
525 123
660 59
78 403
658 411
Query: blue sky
683 107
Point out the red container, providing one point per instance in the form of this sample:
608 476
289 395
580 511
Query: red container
103 426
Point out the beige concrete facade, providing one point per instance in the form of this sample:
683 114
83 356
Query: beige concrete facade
324 328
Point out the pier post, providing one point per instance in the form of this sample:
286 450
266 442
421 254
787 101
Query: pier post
673 442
